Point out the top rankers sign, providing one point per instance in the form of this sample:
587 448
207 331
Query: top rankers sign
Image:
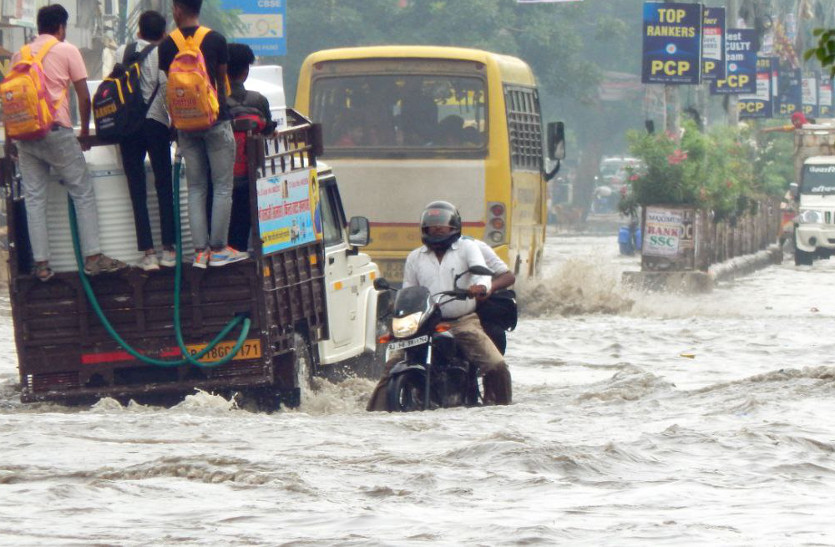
672 43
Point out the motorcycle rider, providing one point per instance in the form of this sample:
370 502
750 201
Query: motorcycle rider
492 308
434 266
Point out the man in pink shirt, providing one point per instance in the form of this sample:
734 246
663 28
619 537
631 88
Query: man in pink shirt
60 149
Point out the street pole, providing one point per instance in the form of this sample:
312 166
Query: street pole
733 100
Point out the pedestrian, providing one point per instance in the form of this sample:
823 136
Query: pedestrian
58 149
152 139
206 150
250 113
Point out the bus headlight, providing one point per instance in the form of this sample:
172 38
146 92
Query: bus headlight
405 326
810 216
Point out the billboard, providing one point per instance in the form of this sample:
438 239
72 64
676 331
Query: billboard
713 44
809 95
789 94
759 104
263 24
672 43
741 75
288 214
825 98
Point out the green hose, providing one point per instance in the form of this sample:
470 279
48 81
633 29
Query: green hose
188 358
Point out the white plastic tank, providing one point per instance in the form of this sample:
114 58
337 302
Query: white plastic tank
117 234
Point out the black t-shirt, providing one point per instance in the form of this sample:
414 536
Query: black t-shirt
214 51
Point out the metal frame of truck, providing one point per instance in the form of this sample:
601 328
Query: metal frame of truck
65 354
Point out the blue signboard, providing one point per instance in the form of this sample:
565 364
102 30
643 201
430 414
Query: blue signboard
789 92
825 98
741 75
713 44
759 104
288 210
672 43
809 95
263 25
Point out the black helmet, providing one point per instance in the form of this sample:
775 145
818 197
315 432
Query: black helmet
440 213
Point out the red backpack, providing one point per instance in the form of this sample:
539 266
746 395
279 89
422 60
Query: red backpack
247 119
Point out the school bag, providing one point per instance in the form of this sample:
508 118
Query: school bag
247 119
118 107
28 111
191 97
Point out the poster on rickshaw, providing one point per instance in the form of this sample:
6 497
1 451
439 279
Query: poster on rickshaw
288 210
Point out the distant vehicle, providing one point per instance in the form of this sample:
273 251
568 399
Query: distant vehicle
814 163
612 181
405 125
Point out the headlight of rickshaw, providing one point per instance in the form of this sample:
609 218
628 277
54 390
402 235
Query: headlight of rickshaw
810 216
405 326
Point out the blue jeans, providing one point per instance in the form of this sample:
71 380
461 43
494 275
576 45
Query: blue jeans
209 152
58 150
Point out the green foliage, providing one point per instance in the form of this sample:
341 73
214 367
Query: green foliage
713 170
226 22
824 52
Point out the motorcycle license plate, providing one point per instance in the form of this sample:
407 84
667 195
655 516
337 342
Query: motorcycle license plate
403 344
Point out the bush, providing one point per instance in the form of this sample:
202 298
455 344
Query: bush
713 170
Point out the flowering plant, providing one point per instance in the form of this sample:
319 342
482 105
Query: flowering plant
707 170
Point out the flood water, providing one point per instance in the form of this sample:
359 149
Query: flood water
636 418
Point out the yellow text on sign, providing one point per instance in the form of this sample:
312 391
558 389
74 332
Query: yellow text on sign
734 81
671 15
670 68
752 107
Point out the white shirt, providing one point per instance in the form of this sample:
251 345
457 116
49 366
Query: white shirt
423 269
149 75
492 260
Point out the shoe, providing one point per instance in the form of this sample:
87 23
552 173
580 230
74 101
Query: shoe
169 258
201 258
43 272
227 256
103 264
149 263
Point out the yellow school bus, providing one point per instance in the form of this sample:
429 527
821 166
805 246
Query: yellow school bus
407 125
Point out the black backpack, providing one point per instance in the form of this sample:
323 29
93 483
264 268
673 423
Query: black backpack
118 107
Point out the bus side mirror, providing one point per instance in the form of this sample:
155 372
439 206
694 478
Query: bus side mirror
556 140
359 232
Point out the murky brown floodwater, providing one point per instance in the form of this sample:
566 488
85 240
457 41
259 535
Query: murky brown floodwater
637 418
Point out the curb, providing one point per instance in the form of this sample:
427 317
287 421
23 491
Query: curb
704 282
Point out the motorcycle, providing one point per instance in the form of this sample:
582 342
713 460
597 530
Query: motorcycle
432 373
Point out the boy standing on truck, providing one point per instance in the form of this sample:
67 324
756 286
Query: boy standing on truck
59 149
153 139
250 113
210 150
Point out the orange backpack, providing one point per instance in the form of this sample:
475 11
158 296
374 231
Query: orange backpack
28 112
191 97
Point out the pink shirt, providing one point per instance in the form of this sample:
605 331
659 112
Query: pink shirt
63 65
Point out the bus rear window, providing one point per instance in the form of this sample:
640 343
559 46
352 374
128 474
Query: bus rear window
415 115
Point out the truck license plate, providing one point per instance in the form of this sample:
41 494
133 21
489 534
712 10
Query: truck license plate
250 350
403 344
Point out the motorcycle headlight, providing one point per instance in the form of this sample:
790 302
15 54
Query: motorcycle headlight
810 216
402 327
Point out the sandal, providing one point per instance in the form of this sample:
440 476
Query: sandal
43 272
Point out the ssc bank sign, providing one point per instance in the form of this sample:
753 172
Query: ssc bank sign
672 43
262 25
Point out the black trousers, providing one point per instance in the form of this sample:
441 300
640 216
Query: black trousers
153 139
240 223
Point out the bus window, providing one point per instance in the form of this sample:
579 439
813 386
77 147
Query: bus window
414 115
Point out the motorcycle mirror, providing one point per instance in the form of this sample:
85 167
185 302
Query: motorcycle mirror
381 284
